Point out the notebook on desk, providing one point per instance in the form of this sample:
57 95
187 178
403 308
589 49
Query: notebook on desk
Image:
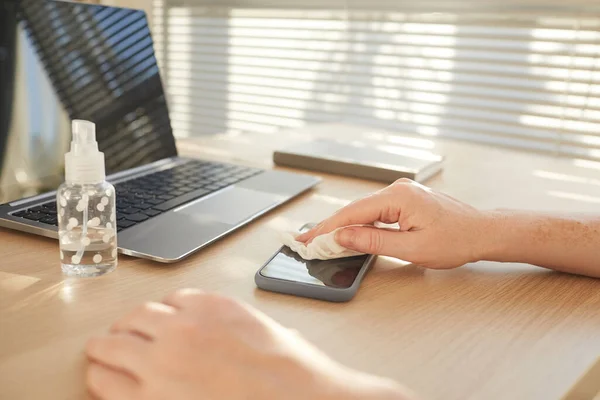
360 160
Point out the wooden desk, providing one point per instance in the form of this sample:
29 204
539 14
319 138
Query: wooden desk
484 331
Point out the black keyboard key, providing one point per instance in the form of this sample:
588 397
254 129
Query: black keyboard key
143 196
49 220
136 217
187 189
37 209
131 210
50 212
50 206
123 224
151 212
33 216
166 196
129 198
45 219
197 185
120 215
178 192
182 199
148 183
123 204
143 187
154 201
20 214
144 206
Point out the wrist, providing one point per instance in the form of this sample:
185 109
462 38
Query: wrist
506 233
489 237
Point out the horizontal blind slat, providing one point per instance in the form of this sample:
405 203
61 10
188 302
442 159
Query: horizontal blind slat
530 7
482 86
411 102
501 128
512 78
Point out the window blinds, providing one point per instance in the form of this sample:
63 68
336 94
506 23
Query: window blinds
523 74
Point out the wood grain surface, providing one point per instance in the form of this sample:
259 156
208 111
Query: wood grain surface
484 331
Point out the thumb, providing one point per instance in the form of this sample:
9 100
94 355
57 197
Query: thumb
369 240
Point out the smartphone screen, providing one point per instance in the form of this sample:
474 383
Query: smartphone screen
339 273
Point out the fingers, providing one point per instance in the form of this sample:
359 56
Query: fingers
119 351
381 206
373 241
206 306
107 384
184 298
146 321
384 206
212 308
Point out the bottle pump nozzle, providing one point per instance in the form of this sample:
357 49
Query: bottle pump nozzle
84 164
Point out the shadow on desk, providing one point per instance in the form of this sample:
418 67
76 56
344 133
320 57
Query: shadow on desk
501 287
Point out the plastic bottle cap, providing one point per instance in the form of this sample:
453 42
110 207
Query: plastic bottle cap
84 164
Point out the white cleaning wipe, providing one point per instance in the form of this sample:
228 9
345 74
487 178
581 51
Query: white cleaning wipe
323 247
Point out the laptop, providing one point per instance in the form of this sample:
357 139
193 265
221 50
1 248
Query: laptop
61 61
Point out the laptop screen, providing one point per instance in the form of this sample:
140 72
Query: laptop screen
61 61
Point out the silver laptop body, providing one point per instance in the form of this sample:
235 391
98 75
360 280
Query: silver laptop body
61 61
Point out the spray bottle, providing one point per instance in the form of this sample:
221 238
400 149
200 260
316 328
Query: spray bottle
86 208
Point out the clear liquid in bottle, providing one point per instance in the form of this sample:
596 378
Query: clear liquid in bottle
87 249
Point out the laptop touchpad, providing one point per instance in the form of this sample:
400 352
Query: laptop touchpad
231 206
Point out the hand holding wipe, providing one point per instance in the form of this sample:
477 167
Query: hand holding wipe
322 247
87 227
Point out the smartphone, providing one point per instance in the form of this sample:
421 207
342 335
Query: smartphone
331 280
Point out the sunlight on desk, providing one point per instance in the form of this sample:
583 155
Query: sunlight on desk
281 224
575 196
566 178
333 200
66 292
587 164
13 283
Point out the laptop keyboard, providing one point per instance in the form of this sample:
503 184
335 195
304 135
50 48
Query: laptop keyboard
150 195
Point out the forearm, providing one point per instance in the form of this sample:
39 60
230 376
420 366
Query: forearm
563 243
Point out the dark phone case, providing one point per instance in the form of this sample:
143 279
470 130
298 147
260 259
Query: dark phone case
307 290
